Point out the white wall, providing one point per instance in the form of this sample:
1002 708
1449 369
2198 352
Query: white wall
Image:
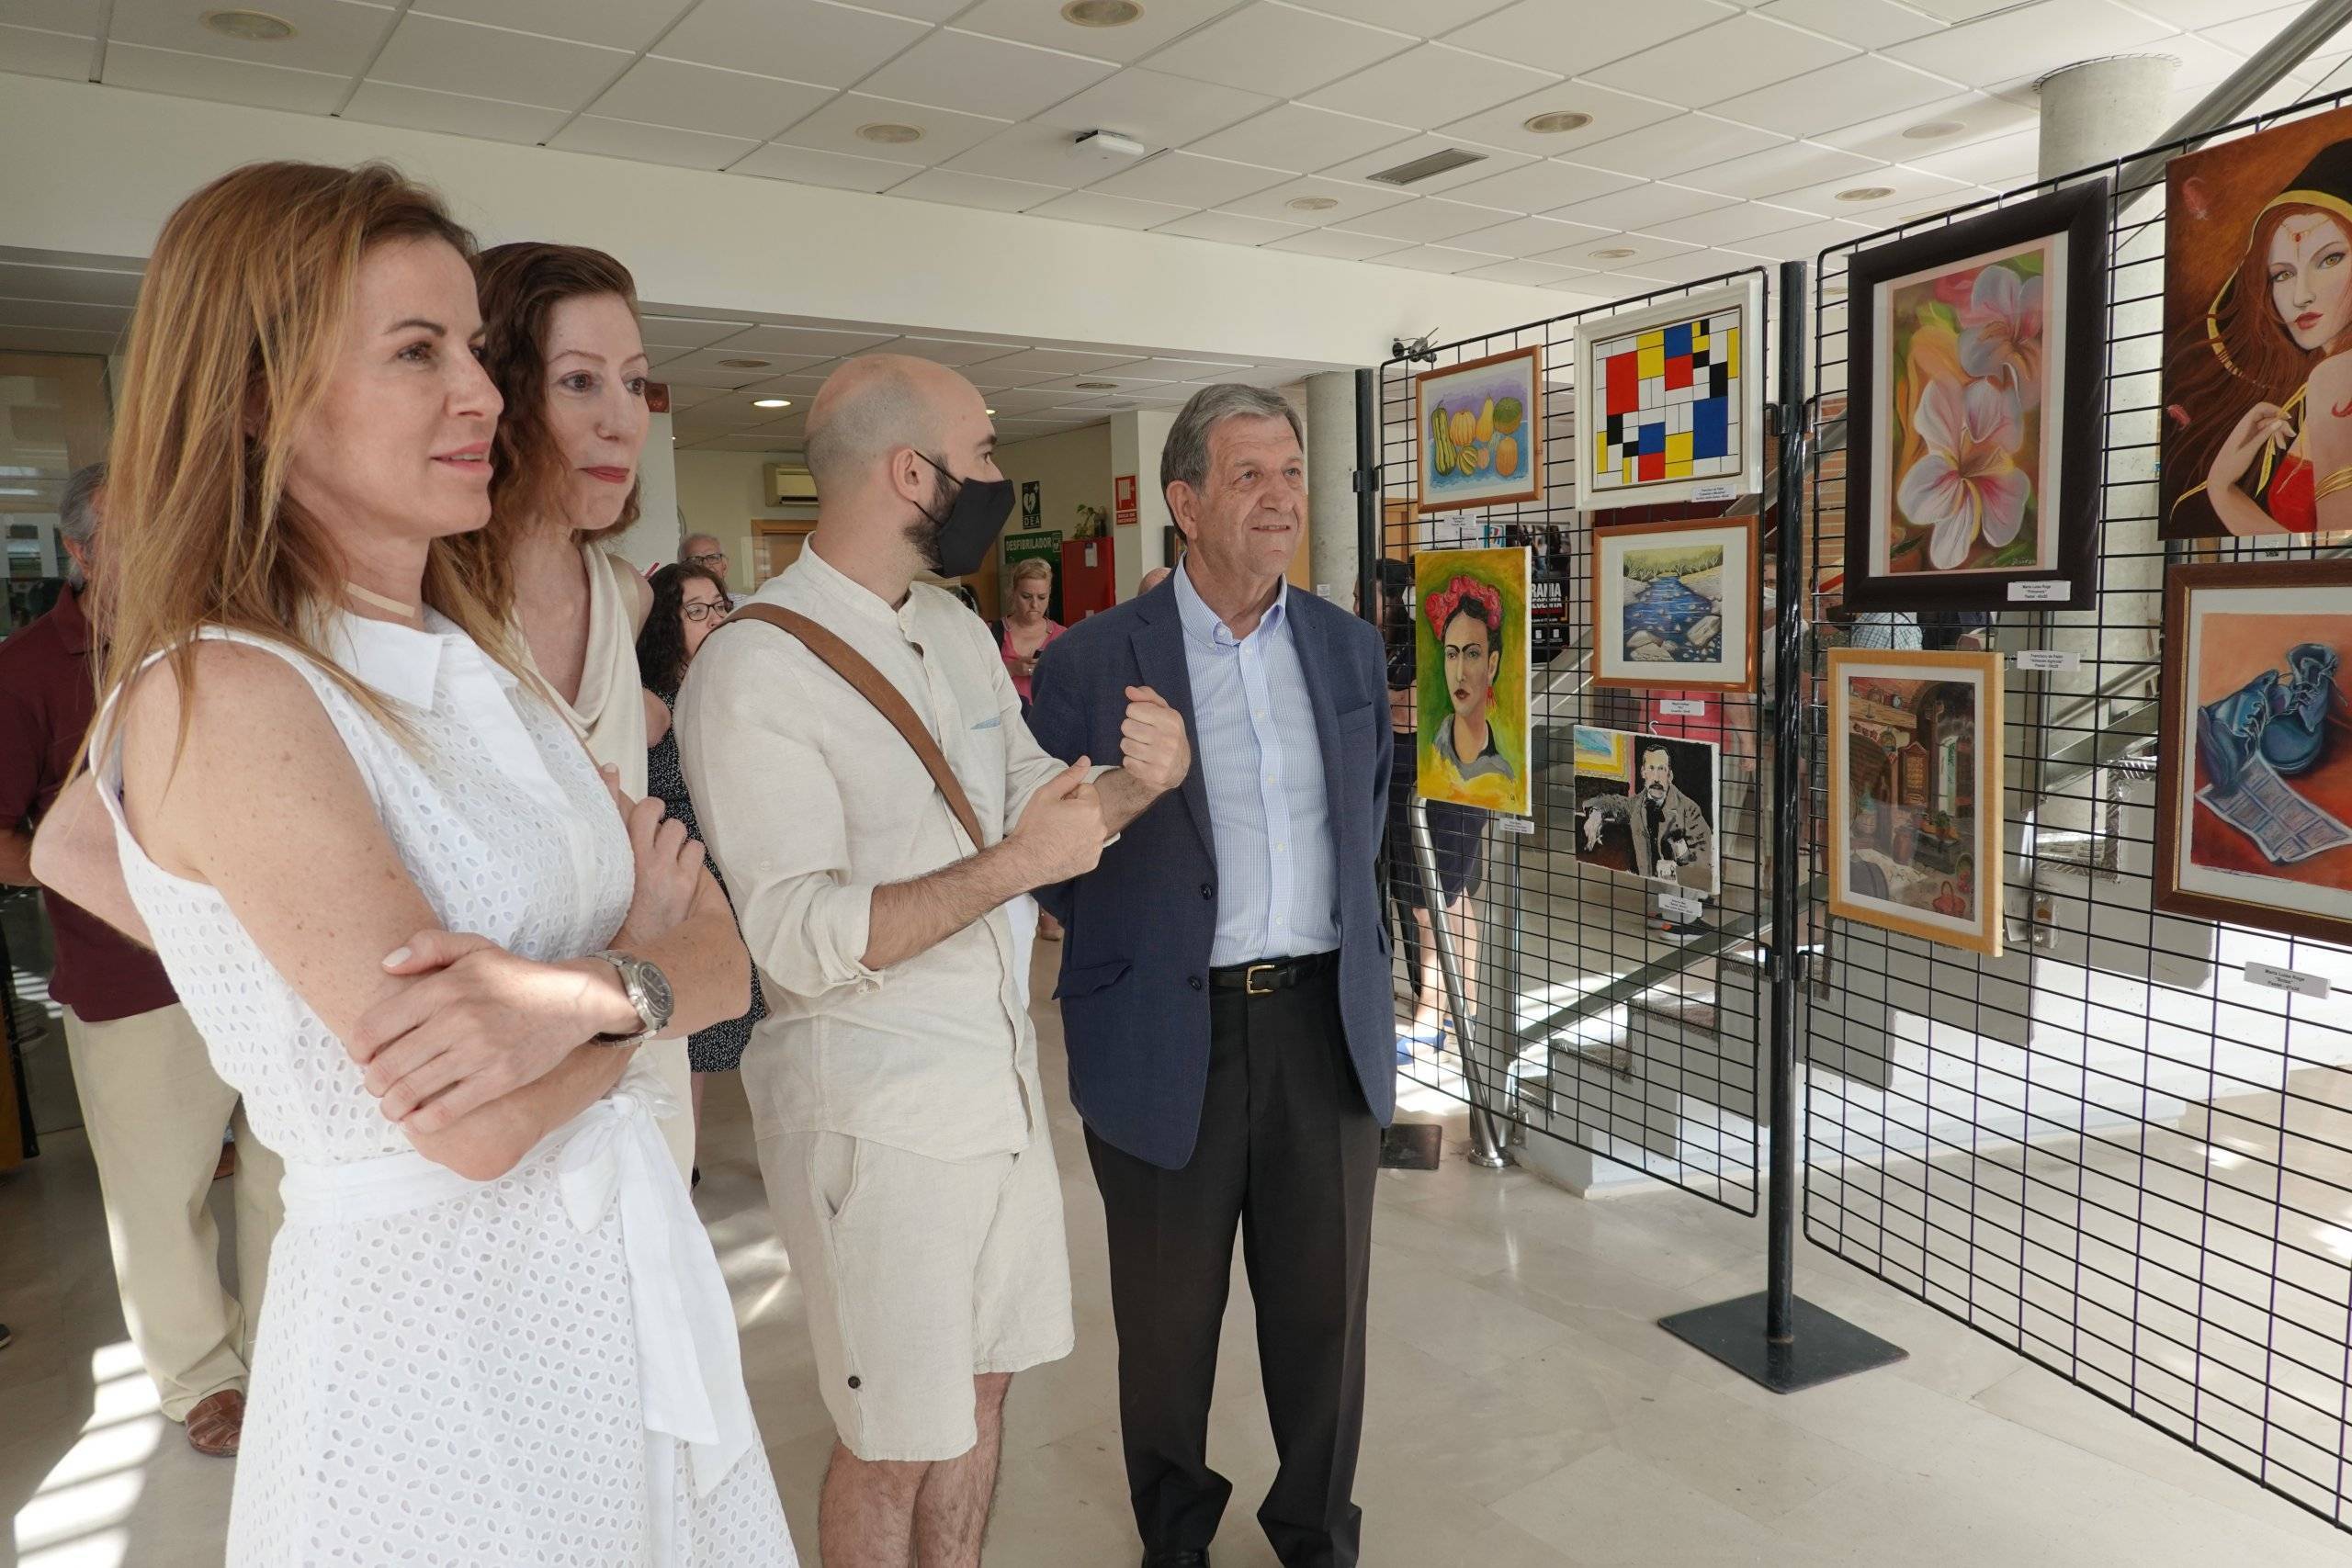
653 537
112 163
1070 468
721 493
1136 441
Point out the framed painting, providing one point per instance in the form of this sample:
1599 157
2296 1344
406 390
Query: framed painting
1674 401
1646 806
2254 765
1974 372
1470 662
2257 429
1675 605
1914 794
1480 429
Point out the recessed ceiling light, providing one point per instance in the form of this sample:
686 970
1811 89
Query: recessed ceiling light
249 27
891 133
1098 386
770 402
1929 130
1614 252
1866 193
745 364
1555 122
1100 13
990 412
1312 203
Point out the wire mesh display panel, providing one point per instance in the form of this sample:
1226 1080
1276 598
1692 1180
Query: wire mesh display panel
1596 1021
2105 1148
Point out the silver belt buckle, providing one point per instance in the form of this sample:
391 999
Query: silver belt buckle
1250 979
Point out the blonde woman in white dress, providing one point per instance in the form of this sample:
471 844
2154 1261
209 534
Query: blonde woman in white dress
560 341
496 1333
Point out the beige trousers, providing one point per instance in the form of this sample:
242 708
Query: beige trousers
154 1110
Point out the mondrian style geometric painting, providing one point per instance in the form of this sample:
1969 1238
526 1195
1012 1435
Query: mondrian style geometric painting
1670 400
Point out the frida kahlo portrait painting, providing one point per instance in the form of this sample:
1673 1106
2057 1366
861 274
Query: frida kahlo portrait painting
2257 385
1471 651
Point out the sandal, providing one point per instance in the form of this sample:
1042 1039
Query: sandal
217 1424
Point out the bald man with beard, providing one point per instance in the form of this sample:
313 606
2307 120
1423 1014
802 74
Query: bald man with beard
894 1084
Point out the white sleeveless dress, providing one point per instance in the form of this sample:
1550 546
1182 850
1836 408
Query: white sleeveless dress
537 1370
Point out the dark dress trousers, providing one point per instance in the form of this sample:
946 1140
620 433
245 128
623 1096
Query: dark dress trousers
1210 1110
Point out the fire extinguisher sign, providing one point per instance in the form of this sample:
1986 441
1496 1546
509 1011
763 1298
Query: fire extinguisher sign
1122 499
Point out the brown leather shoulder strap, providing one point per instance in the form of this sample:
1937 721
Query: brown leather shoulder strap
874 687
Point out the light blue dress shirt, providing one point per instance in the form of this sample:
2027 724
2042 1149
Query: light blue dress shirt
1261 763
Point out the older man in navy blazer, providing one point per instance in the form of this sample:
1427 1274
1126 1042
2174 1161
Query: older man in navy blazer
1224 988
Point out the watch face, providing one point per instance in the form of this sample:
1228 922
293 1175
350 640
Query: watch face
659 999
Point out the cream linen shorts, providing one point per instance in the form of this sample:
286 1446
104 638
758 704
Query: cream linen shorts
920 1274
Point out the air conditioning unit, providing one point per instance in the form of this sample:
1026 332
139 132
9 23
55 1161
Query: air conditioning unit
789 484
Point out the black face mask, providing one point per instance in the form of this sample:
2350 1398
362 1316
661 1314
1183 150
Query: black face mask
956 541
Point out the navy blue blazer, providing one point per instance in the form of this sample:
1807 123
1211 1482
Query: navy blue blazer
1136 957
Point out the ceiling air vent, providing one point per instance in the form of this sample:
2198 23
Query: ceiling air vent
1423 168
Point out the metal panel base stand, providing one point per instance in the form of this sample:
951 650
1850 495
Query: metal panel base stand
1823 1347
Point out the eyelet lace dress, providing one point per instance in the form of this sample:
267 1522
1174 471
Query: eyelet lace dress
537 1370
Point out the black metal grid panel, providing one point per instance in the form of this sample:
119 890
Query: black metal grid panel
1593 1027
2105 1149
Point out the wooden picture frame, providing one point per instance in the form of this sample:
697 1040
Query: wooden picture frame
1708 382
2223 622
1914 783
1974 453
1737 544
1509 454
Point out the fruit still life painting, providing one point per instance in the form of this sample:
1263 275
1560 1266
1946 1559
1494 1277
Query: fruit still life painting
1479 428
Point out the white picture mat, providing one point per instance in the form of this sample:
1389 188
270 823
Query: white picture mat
1744 296
1738 605
1841 844
1883 479
2291 606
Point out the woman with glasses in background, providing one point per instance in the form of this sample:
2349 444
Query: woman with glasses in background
689 603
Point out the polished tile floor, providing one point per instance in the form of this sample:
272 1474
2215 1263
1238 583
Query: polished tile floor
1524 1409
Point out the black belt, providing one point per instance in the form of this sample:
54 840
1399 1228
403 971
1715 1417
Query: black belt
1275 974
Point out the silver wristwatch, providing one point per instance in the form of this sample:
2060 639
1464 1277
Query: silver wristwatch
648 993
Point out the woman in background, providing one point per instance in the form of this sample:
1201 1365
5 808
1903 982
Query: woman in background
1026 631
560 340
689 603
496 1333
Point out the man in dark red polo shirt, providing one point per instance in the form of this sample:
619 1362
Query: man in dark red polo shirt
151 1102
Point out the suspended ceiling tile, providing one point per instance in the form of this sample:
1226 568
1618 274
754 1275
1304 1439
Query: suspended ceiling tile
1731 222
1999 161
1641 207
31 52
1676 146
1432 84
1433 258
1575 35
1714 63
976 191
687 331
1428 220
453 114
1852 90
1415 18
1788 167
650 143
945 132
920 10
1278 50
802 40
1870 24
1806 242
1971 117
1014 402
750 363
1050 363
1299 139
1530 273
957 351
1045 153
72 285
1188 179
1337 244
617 23
1348 201
223 81
64 315
331 36
82 18
811 166
58 340
985 76
1542 185
705 97
2030 39
1906 188
491 63
1530 236
1492 161
803 343
1155 108
1027 21
1228 228
1612 114
1109 211
1637 249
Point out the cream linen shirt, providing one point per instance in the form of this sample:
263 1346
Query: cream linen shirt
809 800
